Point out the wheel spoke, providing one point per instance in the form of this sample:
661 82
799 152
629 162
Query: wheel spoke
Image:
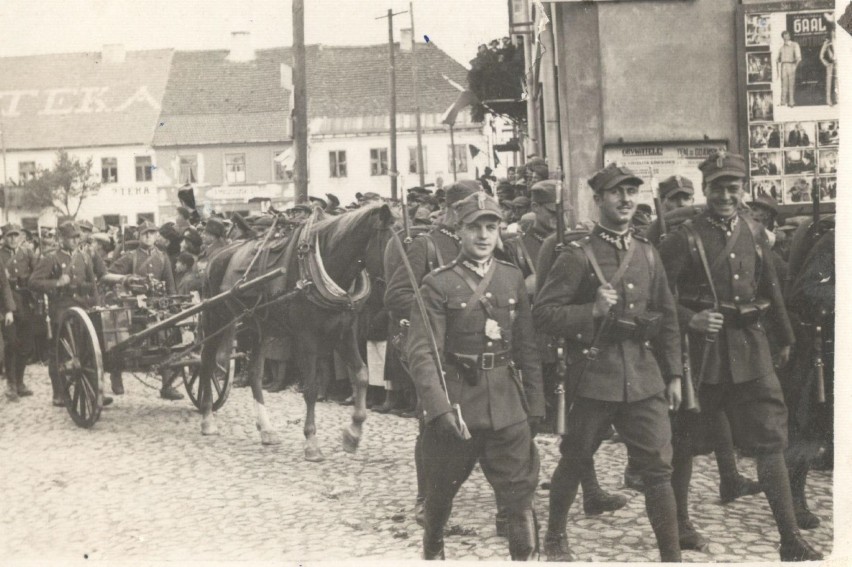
75 401
67 347
73 343
217 384
193 385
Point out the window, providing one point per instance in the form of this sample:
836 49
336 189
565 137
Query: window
143 217
188 169
461 158
235 168
26 171
412 160
144 168
283 163
379 161
337 163
112 220
109 170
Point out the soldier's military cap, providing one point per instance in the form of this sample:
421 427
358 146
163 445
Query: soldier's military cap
544 193
674 185
169 231
333 201
723 164
520 202
68 230
539 167
145 227
85 226
12 228
611 176
191 235
319 201
476 206
461 189
215 227
763 201
370 196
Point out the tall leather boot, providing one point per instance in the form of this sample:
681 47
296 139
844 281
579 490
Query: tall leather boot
55 382
522 530
732 484
595 499
681 476
662 513
116 382
772 474
798 471
420 471
435 518
23 391
563 491
11 389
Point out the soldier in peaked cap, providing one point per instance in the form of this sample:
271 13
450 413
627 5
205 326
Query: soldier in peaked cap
146 261
478 309
607 294
19 334
676 192
728 292
66 275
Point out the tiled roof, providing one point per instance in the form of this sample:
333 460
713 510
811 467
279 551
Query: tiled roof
210 100
78 99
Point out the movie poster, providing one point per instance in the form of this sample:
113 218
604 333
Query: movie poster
789 90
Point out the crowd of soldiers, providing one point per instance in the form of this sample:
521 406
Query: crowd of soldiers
499 327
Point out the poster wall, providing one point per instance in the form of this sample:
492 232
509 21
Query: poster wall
790 98
654 162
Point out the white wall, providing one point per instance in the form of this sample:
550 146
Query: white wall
125 197
359 180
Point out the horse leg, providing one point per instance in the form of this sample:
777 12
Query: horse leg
263 423
205 388
308 367
358 375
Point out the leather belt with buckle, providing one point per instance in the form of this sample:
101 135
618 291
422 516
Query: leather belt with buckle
484 361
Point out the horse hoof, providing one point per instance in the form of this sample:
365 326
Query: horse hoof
350 442
209 428
314 455
269 438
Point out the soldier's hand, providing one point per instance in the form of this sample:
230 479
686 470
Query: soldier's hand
783 357
707 322
674 394
606 298
63 280
447 428
10 318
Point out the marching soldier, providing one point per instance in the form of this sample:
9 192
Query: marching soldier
18 335
146 261
66 276
427 252
722 267
524 251
607 294
478 310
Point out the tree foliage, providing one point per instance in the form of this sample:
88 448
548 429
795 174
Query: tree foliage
63 187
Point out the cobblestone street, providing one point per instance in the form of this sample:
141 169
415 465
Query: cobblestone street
144 484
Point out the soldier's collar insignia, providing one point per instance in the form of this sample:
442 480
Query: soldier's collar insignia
451 234
619 240
725 225
478 268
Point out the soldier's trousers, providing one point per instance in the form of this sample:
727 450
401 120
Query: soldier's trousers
19 342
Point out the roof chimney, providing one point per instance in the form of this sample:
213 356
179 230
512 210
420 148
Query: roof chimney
405 40
286 77
241 49
113 53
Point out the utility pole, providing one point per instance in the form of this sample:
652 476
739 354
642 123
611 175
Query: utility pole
5 173
300 102
420 168
393 173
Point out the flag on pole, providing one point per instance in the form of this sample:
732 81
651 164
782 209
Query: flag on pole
465 98
474 151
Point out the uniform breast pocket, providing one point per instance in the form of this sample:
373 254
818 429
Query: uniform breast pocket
464 318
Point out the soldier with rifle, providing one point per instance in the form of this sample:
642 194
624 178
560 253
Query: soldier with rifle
19 333
473 358
608 296
426 252
722 267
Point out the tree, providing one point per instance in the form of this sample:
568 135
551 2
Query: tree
62 188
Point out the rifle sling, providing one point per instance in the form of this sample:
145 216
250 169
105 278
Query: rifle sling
477 289
696 242
622 267
530 261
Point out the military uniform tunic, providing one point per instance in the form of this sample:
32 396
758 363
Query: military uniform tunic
495 402
740 376
19 338
145 262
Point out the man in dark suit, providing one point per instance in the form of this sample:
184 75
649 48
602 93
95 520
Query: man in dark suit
478 309
607 294
721 263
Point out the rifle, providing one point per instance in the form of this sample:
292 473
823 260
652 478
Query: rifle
819 365
405 221
561 367
687 387
433 342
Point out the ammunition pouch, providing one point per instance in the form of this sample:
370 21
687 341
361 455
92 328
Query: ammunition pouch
643 327
737 315
469 365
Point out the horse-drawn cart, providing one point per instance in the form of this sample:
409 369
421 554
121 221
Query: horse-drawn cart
139 333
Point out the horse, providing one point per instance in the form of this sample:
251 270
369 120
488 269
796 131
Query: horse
314 305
